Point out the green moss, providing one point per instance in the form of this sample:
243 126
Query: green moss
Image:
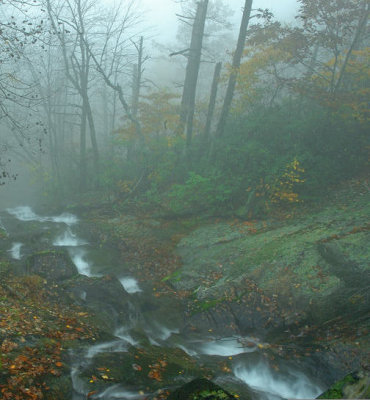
175 276
206 305
336 390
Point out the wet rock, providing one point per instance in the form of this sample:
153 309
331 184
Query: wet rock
148 368
353 386
304 270
54 266
342 266
200 389
106 297
59 387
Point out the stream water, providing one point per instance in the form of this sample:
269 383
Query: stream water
249 365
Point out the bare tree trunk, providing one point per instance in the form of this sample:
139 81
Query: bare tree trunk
83 164
118 89
192 72
136 86
212 101
361 25
235 68
77 71
94 143
137 81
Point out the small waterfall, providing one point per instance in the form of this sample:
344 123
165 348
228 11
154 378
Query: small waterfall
227 347
68 239
130 285
119 393
2 227
25 213
78 258
15 251
123 334
108 347
67 218
273 385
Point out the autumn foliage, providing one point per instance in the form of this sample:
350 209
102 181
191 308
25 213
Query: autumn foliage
36 328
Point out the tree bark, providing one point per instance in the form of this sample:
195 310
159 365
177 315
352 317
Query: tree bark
83 164
212 101
137 81
235 68
192 72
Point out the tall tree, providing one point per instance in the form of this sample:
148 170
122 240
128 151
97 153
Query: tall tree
337 28
20 28
212 100
74 15
194 54
111 59
235 67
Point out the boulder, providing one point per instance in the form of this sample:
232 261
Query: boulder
54 266
148 368
200 388
106 297
257 275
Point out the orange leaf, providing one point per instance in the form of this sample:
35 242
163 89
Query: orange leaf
59 364
137 367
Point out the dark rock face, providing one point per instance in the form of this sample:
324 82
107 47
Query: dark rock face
146 368
54 266
236 317
200 389
105 296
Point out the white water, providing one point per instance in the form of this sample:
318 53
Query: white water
123 334
3 227
117 392
271 385
25 213
67 218
78 258
15 251
155 332
274 385
226 347
109 347
68 239
130 285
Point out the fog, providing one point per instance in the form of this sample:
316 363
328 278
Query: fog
184 199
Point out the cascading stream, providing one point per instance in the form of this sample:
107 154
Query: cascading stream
267 383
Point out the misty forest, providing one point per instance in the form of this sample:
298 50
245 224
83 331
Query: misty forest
184 215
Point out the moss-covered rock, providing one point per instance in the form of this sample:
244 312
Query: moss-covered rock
300 266
200 389
352 386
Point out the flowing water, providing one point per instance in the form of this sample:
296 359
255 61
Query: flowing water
15 250
248 364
